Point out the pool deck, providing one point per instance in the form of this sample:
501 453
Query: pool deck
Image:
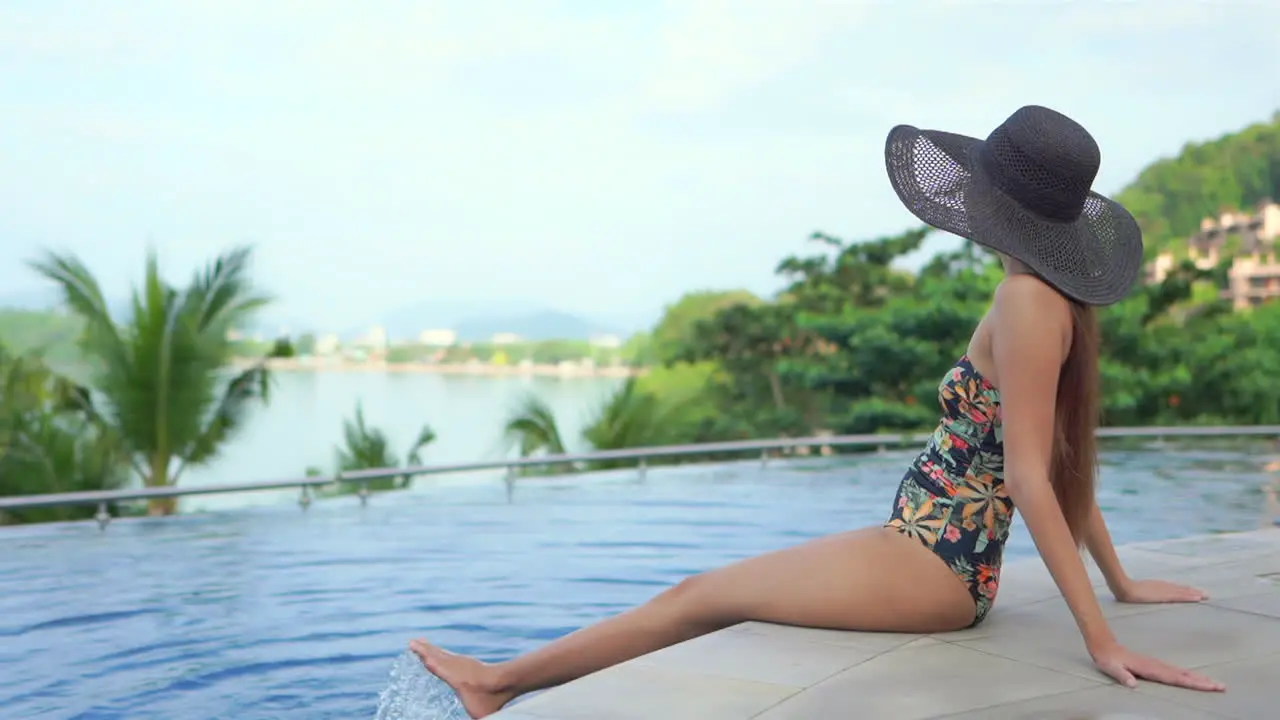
1025 661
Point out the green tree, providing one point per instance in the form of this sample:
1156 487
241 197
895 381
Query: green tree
677 326
749 343
162 376
283 347
306 345
48 443
629 417
849 274
1234 172
408 353
532 429
367 448
552 352
639 350
632 418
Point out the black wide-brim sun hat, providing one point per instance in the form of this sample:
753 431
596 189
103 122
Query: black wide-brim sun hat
1026 192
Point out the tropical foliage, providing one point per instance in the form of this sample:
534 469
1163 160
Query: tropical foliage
365 447
854 346
48 442
1234 172
162 379
630 416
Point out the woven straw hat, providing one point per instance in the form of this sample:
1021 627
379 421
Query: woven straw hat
1026 192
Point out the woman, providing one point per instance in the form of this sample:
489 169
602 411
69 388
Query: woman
1019 414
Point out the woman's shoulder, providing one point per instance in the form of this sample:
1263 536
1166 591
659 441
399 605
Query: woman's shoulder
1025 287
1029 297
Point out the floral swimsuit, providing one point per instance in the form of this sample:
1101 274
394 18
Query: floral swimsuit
953 497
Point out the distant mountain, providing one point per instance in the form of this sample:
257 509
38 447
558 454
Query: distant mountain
536 325
480 320
407 321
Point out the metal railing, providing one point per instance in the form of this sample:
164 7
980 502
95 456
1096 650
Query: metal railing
793 446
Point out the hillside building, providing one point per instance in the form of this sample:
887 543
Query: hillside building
1250 239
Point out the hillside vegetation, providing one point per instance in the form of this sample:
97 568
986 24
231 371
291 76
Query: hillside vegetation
54 335
1234 172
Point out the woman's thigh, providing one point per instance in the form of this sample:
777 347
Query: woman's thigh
874 579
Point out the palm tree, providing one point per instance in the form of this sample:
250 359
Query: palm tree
366 448
532 428
164 377
47 443
630 418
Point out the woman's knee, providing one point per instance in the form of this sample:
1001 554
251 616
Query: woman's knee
697 600
686 592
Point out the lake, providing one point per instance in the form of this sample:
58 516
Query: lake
271 612
303 422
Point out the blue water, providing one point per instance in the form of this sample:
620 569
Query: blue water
275 613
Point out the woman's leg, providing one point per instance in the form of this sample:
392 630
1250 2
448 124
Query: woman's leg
873 579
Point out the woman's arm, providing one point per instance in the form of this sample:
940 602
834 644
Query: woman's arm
1031 337
1029 343
1124 588
1098 540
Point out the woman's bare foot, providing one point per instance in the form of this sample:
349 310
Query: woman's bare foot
477 684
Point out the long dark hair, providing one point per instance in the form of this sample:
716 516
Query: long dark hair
1074 469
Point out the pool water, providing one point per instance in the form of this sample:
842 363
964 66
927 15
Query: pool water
276 613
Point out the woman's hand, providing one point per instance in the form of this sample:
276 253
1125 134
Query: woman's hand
1158 591
1126 667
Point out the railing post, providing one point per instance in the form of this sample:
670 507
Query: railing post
102 516
642 467
304 499
764 458
510 481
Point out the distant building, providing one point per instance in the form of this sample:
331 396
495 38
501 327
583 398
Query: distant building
438 338
375 338
504 338
1253 280
327 344
1250 239
373 344
609 342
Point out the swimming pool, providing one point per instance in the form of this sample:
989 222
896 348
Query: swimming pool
271 612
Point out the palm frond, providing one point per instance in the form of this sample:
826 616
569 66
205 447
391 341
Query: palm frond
426 436
629 418
240 394
364 447
222 294
532 428
82 295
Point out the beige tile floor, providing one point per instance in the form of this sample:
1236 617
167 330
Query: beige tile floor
1026 661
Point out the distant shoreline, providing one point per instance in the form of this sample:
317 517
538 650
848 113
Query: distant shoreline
334 365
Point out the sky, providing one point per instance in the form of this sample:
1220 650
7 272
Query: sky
600 158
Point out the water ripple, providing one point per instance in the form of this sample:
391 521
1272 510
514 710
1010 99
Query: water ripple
76 620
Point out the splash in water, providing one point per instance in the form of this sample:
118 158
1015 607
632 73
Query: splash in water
413 693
